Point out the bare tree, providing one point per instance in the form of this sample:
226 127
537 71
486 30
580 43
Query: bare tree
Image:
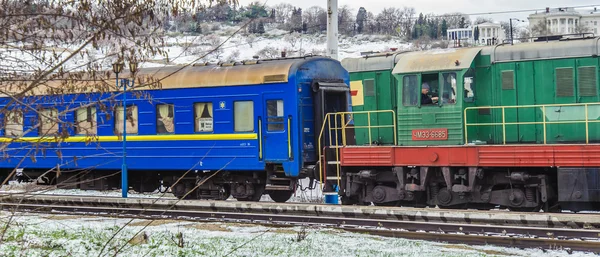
406 22
346 20
292 38
454 19
482 19
388 20
540 29
283 13
581 28
316 19
250 38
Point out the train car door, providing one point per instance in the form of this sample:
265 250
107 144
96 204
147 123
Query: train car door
274 128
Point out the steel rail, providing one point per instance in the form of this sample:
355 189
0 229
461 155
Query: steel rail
515 236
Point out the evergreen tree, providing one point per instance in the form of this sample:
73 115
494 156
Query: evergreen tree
444 28
415 31
260 28
476 34
360 19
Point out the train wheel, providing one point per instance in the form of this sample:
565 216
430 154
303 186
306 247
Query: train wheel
281 196
259 190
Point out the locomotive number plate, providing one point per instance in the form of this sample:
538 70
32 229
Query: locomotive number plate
430 134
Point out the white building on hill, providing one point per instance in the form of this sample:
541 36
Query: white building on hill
566 21
489 34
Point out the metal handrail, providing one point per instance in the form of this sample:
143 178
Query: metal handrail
344 125
543 107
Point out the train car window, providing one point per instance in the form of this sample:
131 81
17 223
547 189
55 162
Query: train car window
165 119
243 116
449 88
203 117
469 86
132 120
86 121
275 115
410 91
430 89
48 122
14 124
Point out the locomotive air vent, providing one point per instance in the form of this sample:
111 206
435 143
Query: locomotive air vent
274 78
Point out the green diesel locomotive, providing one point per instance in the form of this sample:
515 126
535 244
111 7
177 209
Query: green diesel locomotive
463 105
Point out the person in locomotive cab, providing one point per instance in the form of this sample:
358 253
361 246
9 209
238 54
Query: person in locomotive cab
425 98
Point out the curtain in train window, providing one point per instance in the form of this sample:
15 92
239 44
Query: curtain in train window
243 116
132 120
410 91
48 122
165 119
449 88
14 124
86 121
203 117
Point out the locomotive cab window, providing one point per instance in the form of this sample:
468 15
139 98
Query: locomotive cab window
469 86
14 124
86 121
429 89
203 117
243 116
275 115
48 122
448 88
131 120
410 90
165 119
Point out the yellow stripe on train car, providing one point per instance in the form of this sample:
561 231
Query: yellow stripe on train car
188 137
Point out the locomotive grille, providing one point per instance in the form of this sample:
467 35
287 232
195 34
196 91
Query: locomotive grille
564 82
508 80
587 81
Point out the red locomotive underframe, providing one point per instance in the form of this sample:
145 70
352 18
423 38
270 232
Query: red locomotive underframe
473 156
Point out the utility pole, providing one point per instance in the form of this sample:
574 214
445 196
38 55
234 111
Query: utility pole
332 29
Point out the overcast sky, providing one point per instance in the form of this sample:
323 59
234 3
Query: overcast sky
445 6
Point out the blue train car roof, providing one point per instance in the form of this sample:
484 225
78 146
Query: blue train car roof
193 76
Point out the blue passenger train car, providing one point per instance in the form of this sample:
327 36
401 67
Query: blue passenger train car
240 129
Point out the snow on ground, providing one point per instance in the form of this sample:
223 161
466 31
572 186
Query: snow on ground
303 193
62 235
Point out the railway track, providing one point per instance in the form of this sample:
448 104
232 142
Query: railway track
577 232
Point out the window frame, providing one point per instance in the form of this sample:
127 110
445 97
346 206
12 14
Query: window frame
210 112
172 107
279 123
442 87
94 120
42 121
118 129
21 125
253 115
417 88
438 85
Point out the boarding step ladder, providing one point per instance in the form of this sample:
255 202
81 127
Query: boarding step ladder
277 181
331 169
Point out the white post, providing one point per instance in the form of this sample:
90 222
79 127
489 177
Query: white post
332 29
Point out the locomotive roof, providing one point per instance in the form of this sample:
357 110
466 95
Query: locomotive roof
193 76
374 62
544 50
436 60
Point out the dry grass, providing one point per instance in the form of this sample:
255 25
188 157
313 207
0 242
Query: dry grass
151 223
